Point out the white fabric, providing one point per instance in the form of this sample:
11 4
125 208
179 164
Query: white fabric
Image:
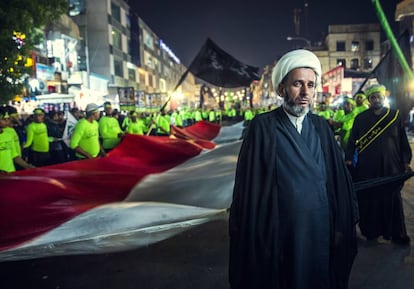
296 121
296 59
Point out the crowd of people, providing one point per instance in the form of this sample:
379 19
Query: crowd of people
341 118
39 139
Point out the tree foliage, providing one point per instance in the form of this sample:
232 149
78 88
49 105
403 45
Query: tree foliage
21 22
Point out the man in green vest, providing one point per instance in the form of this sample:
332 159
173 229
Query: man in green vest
37 141
163 124
198 116
136 125
9 155
109 129
324 112
85 137
248 116
345 121
212 116
360 103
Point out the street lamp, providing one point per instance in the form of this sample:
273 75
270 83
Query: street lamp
308 43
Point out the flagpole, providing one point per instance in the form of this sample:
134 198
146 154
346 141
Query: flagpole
169 97
373 71
387 29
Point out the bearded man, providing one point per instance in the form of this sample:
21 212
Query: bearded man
293 215
379 140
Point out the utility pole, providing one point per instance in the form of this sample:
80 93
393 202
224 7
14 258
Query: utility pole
306 19
296 20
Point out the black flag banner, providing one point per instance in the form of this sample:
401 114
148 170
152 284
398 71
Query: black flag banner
390 73
215 66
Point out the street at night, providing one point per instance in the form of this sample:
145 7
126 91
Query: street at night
198 259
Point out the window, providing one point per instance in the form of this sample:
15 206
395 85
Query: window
163 85
367 63
148 61
355 46
148 41
116 39
340 46
369 45
128 21
355 63
131 74
119 71
142 78
157 64
341 62
116 12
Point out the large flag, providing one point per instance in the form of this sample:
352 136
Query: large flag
390 73
214 65
35 202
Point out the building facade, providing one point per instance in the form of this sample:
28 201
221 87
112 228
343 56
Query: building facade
355 47
159 68
348 56
121 53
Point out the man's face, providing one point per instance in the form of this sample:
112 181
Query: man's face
39 117
108 110
95 115
61 117
298 91
376 100
359 100
4 122
348 107
14 116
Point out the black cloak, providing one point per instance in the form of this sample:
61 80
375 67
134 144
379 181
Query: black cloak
385 156
254 221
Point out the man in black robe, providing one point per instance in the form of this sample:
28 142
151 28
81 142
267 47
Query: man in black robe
379 141
293 215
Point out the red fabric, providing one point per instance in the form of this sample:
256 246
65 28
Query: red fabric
200 130
200 133
35 201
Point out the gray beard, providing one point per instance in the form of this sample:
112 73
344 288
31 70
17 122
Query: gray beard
294 109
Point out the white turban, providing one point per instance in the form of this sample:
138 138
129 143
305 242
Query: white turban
296 59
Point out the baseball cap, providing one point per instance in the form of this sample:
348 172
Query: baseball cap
91 107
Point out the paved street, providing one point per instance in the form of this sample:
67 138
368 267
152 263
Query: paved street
197 259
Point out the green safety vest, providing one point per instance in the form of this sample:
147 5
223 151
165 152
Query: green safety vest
36 137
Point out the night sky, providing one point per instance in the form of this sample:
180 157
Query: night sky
252 31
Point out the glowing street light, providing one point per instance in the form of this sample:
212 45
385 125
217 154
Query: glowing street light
308 42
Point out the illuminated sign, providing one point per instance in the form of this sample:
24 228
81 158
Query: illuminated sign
169 51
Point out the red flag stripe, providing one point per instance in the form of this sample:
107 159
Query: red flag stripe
33 202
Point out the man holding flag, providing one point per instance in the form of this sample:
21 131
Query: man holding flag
379 139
